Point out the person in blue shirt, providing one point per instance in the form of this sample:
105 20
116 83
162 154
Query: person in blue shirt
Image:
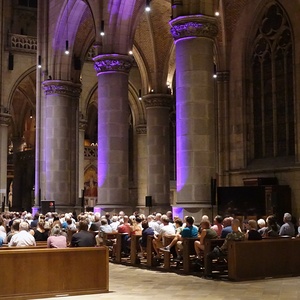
189 231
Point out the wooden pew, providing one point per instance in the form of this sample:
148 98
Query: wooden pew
167 254
277 257
68 271
134 248
209 245
187 251
120 237
150 250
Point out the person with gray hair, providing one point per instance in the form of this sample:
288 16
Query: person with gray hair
23 238
56 238
288 228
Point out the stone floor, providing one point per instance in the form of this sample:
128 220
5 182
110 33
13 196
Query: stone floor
132 283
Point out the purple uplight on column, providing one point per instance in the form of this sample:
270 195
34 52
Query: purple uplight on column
103 148
97 209
34 210
177 211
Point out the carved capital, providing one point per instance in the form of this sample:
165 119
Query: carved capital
141 129
5 118
59 87
158 100
112 63
194 26
223 76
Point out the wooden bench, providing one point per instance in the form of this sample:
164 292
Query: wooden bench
277 257
150 250
119 243
209 245
134 248
68 271
187 251
39 244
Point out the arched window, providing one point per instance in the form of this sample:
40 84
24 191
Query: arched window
272 89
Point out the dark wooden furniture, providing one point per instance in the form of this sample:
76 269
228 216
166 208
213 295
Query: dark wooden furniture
69 271
263 259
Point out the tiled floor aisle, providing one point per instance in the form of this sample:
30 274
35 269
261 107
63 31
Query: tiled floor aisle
139 284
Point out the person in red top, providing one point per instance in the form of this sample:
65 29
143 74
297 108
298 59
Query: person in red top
124 227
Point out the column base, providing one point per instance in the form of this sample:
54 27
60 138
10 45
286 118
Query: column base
195 210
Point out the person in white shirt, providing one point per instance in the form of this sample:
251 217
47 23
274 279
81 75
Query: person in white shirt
23 238
167 229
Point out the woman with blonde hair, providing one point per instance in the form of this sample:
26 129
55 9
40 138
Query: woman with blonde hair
56 238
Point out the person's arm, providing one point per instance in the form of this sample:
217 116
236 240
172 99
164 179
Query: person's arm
202 237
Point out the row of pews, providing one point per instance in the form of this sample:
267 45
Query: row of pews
246 260
188 252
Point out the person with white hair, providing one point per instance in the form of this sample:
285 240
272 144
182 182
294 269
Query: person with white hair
23 238
115 223
288 228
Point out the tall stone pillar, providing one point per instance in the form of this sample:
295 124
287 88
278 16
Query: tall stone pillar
113 112
142 166
158 144
17 181
61 137
195 115
4 122
82 127
223 126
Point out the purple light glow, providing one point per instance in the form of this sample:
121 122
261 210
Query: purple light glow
97 209
34 210
177 211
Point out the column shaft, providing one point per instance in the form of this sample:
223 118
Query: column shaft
158 144
195 115
113 111
61 110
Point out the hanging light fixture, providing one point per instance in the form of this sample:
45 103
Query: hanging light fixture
67 47
39 62
140 94
147 8
67 42
102 33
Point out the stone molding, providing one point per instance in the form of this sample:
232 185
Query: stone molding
60 87
112 63
83 124
141 129
5 119
194 26
158 100
223 76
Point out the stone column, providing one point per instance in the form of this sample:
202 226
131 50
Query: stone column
4 122
61 137
113 111
142 166
158 144
195 113
82 127
223 126
18 142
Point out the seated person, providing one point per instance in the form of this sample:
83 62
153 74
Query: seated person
218 227
252 232
23 238
147 231
83 238
167 229
226 227
189 231
272 229
217 252
206 233
56 239
288 228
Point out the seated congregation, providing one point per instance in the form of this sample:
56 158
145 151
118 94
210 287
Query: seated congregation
157 240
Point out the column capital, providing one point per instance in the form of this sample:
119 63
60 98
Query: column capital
223 76
158 100
60 87
5 118
112 63
194 26
141 129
